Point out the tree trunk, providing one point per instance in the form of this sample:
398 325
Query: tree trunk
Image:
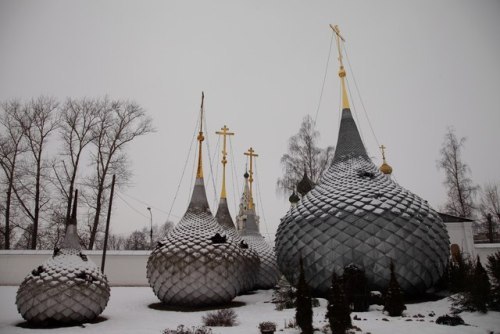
37 204
98 209
7 213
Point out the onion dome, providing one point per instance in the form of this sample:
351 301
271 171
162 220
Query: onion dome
68 288
251 261
356 215
385 167
305 185
197 263
294 199
248 224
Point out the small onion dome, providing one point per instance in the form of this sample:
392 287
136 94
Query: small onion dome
190 267
305 185
246 175
386 169
67 289
294 198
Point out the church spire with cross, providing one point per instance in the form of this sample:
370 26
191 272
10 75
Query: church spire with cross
251 153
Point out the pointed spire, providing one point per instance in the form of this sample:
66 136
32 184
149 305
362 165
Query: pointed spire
224 132
349 142
199 202
199 172
385 167
71 239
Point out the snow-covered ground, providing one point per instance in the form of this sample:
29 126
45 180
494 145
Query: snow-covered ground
137 310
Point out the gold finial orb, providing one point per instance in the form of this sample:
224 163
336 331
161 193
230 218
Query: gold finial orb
385 168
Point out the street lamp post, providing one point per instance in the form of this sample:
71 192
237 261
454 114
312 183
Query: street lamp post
151 230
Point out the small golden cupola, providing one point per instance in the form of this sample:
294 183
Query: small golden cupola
385 167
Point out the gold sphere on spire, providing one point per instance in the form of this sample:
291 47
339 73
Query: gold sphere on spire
385 167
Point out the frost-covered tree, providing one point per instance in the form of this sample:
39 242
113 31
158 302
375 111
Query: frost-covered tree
338 309
304 311
303 153
460 188
494 271
489 210
394 304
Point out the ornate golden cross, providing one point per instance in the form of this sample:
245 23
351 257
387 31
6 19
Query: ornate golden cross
251 154
224 132
382 148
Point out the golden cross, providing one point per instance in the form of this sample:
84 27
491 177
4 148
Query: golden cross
339 38
199 172
251 154
345 99
224 132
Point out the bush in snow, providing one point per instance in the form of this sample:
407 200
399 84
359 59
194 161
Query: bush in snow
494 271
304 312
285 295
338 310
267 327
184 330
477 294
356 288
223 318
450 320
394 304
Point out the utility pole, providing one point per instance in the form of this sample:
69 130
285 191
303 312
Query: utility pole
151 229
107 224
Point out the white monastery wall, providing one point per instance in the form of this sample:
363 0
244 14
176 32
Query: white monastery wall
123 268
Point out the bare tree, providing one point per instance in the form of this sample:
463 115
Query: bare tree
78 117
303 154
461 190
489 209
38 122
11 147
118 123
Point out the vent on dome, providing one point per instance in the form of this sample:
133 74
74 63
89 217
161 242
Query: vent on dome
37 271
366 174
218 239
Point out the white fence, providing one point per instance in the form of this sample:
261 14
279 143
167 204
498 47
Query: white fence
123 268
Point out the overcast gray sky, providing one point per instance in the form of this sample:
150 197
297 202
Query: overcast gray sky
421 66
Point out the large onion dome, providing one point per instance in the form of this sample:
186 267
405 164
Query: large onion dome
357 215
68 288
197 263
248 226
251 260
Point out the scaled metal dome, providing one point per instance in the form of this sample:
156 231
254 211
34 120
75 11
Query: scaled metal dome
68 288
197 263
358 215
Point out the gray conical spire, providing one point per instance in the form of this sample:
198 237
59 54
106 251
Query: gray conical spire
223 215
71 239
349 143
199 202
